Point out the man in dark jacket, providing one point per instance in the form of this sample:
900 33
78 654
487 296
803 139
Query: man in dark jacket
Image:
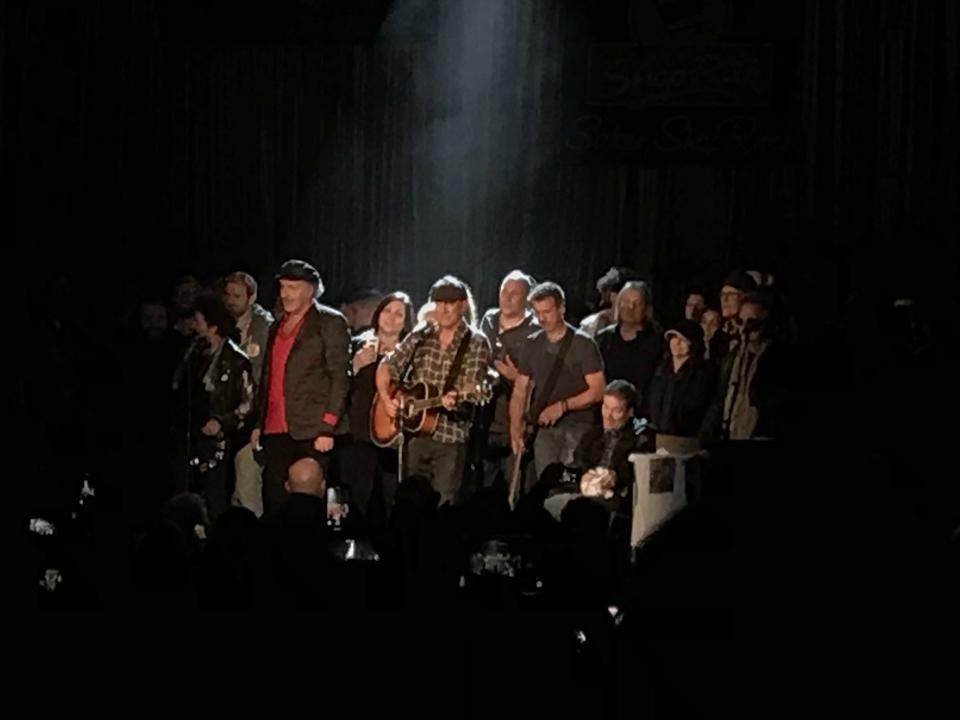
608 448
219 383
732 292
306 376
752 394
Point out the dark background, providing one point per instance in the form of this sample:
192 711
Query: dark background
390 142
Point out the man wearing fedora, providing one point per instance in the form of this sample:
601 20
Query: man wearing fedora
306 375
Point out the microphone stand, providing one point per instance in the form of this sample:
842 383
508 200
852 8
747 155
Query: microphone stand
185 364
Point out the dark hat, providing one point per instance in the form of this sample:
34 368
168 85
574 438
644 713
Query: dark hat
299 270
448 289
689 330
741 281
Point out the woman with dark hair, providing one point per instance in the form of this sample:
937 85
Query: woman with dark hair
371 472
217 379
683 385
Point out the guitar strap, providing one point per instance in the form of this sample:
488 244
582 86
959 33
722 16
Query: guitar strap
451 381
409 363
554 375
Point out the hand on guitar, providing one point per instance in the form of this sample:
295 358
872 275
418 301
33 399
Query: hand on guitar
551 414
391 405
450 400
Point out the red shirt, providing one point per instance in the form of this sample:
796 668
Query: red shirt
276 421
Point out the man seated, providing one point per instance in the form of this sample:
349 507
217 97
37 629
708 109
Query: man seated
603 456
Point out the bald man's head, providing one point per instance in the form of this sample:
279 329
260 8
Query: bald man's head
306 476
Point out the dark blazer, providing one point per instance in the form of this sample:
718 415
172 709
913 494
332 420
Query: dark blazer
635 437
317 376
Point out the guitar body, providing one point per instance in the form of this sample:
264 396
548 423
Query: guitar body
386 432
419 413
529 430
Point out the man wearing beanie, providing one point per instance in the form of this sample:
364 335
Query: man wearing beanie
306 376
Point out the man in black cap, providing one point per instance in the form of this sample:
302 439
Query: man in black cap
306 376
737 284
430 355
751 395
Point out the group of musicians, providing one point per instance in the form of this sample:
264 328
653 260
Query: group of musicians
447 392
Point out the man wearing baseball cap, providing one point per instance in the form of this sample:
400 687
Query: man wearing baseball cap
306 376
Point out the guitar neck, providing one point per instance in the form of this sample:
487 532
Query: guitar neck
415 405
431 403
419 406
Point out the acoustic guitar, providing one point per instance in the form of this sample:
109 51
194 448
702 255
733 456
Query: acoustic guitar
420 407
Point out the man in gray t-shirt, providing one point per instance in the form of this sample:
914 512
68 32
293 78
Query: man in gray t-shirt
568 411
506 327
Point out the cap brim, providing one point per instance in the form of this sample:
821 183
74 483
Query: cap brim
448 295
311 281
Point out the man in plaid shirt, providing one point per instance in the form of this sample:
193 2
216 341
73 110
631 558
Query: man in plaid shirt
427 356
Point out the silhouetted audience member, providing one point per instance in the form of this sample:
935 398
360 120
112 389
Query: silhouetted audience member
235 566
188 512
147 366
163 570
298 540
